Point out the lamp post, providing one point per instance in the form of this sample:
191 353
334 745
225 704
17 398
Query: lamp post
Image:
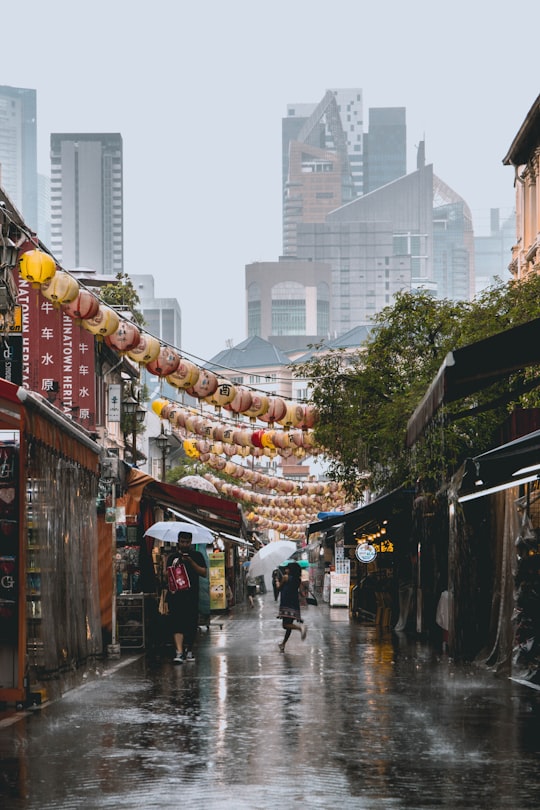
162 442
136 414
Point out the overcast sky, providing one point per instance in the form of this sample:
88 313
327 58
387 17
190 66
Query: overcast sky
198 90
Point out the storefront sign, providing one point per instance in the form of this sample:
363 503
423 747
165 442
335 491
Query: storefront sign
216 574
365 553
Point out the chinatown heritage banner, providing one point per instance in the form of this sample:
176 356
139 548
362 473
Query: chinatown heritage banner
58 357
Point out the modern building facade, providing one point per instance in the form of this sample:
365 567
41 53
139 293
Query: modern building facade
385 147
18 150
288 302
492 253
87 201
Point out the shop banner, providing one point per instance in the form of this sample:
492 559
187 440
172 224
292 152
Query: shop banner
216 573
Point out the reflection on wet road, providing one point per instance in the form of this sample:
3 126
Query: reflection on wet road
350 718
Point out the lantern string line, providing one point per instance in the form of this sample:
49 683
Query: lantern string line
208 365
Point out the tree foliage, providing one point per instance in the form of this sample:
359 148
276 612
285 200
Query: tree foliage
122 293
365 399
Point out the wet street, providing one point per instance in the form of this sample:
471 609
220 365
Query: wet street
353 717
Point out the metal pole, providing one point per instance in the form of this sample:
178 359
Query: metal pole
134 446
113 650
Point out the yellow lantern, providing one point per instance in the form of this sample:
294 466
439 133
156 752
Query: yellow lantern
293 416
158 405
37 267
185 375
190 449
223 395
61 288
105 322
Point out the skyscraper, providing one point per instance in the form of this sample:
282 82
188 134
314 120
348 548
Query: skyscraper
385 147
18 150
87 201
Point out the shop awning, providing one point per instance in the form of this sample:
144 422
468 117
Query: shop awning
474 368
511 464
375 511
217 514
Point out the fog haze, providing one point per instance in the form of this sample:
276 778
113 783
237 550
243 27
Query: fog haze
198 91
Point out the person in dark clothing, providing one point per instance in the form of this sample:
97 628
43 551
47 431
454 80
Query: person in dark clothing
184 605
276 579
289 603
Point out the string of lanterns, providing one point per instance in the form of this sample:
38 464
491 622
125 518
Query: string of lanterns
88 311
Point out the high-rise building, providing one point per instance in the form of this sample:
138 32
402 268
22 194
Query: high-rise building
493 252
18 150
324 144
87 201
385 147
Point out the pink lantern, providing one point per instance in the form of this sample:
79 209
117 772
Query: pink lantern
277 408
84 306
311 416
165 363
242 400
205 385
126 337
105 322
146 350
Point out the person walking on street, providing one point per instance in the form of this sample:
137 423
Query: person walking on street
289 603
184 604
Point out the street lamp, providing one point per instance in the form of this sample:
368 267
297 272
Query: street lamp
136 413
162 442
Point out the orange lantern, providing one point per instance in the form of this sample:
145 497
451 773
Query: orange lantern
37 267
126 337
165 363
185 375
277 408
83 307
146 350
104 323
61 288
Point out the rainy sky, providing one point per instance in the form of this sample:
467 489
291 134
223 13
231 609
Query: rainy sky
198 90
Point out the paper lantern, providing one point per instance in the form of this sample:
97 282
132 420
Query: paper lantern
311 416
241 402
267 439
37 267
185 375
83 307
61 288
256 438
223 395
165 363
205 385
277 408
146 350
126 337
104 323
293 416
190 449
158 405
259 406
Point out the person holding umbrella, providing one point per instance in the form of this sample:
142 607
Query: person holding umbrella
289 603
184 604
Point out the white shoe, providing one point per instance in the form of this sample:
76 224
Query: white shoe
178 658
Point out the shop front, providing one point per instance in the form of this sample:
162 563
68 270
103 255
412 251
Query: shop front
49 595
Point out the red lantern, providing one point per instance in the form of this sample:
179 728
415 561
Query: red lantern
83 307
256 438
165 363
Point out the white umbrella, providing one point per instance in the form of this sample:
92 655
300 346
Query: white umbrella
197 482
269 557
167 532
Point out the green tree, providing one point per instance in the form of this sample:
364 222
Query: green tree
122 293
366 399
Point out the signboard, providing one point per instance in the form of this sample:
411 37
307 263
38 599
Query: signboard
339 589
114 400
216 575
11 357
365 553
